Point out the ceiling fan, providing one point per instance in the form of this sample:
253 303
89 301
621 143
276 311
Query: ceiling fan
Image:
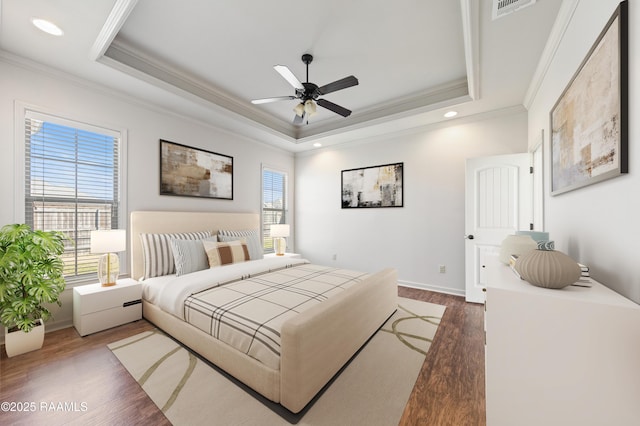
308 93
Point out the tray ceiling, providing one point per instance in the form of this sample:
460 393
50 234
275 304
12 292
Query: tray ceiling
413 59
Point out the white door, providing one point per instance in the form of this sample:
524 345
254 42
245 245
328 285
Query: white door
497 203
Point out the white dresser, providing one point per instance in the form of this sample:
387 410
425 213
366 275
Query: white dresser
560 357
96 308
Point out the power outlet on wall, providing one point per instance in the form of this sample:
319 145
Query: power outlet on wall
443 269
334 257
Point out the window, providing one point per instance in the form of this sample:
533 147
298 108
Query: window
72 184
274 203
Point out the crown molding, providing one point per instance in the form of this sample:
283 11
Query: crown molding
471 39
423 128
82 83
115 21
133 62
565 14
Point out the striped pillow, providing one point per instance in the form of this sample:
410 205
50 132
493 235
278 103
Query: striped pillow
157 254
225 253
189 255
251 236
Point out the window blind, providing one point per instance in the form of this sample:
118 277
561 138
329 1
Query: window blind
274 206
71 185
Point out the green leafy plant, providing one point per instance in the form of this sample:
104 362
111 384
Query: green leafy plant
30 275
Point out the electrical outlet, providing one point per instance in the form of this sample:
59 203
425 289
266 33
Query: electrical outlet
443 269
334 257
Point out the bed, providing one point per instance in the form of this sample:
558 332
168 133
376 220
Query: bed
313 345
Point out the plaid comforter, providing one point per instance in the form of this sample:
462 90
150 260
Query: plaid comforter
248 313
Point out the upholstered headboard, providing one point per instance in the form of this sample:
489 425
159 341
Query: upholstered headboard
152 222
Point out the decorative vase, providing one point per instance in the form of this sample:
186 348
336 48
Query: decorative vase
18 342
516 244
548 269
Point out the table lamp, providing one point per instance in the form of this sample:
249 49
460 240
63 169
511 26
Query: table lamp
278 233
108 243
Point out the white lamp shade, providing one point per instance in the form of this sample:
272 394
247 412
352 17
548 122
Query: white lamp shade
310 107
279 231
299 109
108 241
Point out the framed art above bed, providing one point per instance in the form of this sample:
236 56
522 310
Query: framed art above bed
194 172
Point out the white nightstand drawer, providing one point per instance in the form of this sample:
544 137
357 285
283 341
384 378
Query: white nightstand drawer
97 298
97 308
113 317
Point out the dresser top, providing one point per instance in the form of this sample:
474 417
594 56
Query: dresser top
502 277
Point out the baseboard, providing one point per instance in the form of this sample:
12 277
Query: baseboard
435 288
58 325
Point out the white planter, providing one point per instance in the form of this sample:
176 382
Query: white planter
18 342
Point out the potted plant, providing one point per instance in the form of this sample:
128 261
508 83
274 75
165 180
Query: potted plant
31 275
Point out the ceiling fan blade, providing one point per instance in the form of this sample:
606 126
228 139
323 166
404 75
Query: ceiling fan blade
299 119
338 85
268 100
333 107
288 75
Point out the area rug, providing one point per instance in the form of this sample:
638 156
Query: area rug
372 389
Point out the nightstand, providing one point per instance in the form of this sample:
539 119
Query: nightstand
291 255
96 308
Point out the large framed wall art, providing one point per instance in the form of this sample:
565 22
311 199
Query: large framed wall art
193 172
589 122
375 186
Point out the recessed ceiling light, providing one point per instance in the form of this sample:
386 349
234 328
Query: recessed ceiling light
317 144
47 26
451 114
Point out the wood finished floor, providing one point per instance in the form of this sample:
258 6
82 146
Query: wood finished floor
85 374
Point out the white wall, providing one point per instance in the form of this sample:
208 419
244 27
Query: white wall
144 126
597 225
429 230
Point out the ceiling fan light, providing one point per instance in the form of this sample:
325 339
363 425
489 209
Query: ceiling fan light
299 109
310 107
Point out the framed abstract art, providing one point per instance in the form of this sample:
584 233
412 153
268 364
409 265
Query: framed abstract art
375 186
589 122
193 172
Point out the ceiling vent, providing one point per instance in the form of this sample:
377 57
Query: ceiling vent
502 8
